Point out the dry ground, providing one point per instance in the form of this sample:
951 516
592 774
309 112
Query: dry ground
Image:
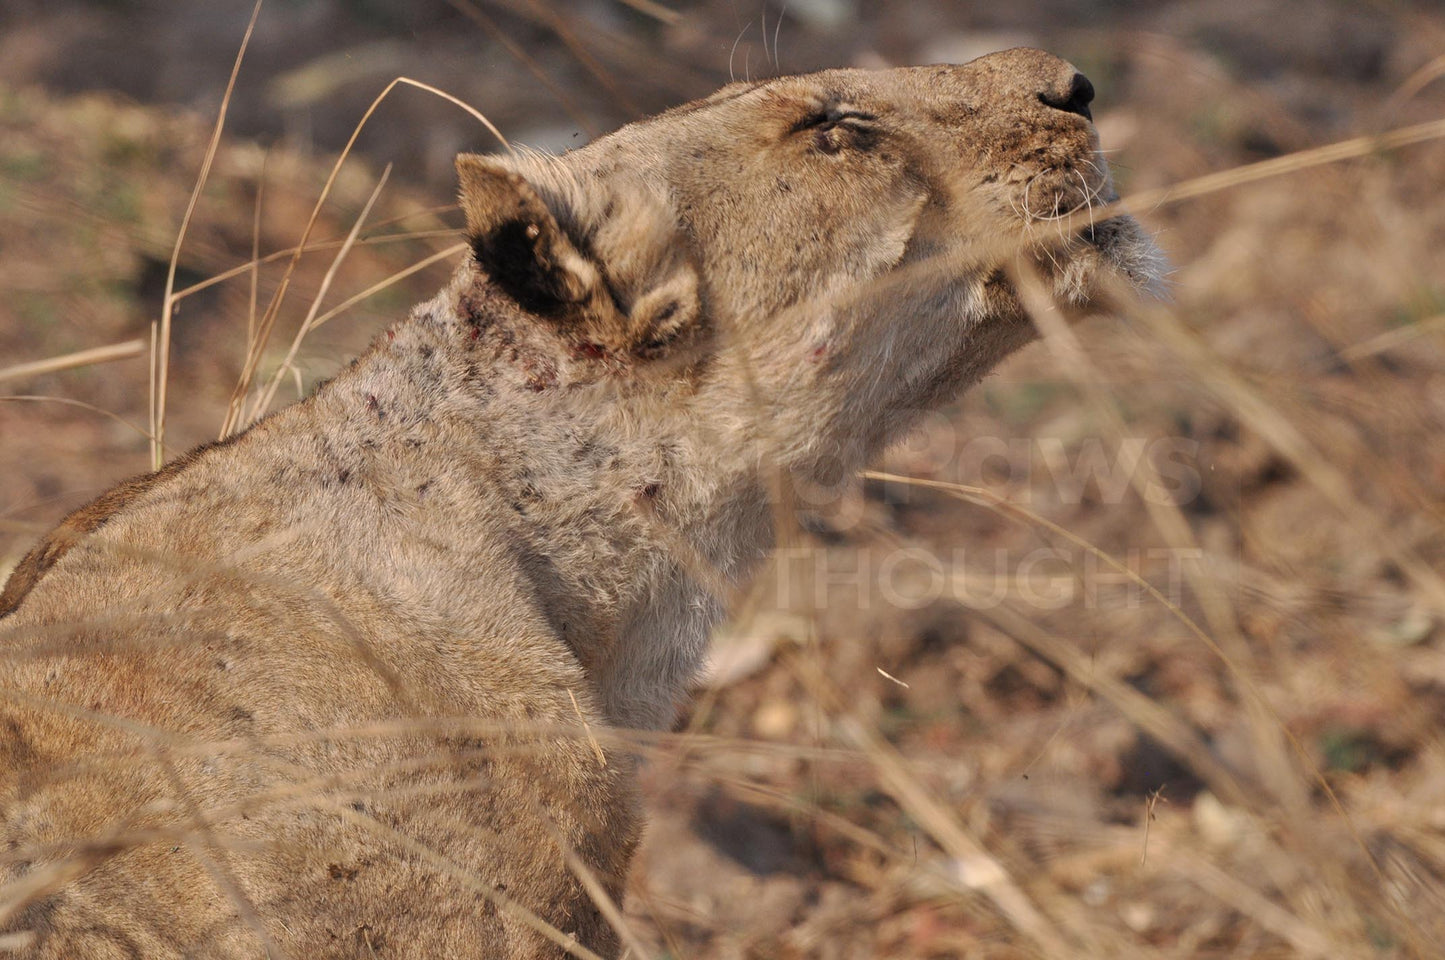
956 722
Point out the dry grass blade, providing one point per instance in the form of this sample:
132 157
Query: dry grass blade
1299 934
455 101
1156 721
1003 507
718 750
1428 73
320 245
289 361
446 865
253 296
144 733
1351 149
162 349
587 729
600 897
1396 338
979 870
654 10
69 361
1252 409
713 755
151 384
17 941
45 880
30 398
391 280
256 348
212 857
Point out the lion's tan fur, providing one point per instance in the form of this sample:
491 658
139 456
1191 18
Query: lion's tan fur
334 688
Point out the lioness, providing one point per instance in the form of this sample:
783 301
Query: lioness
341 686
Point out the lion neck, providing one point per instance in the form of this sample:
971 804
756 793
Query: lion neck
650 498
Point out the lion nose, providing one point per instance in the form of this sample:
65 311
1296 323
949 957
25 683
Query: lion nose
1075 99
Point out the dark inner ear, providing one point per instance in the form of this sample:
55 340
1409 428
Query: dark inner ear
517 240
623 282
510 254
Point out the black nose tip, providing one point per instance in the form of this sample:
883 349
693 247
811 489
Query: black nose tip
1077 100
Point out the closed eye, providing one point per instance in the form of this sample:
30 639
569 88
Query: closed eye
830 117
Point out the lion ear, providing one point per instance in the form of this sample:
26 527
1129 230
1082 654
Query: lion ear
635 290
517 240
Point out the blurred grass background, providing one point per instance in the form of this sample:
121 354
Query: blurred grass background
946 702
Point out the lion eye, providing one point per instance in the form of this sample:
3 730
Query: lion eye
829 117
